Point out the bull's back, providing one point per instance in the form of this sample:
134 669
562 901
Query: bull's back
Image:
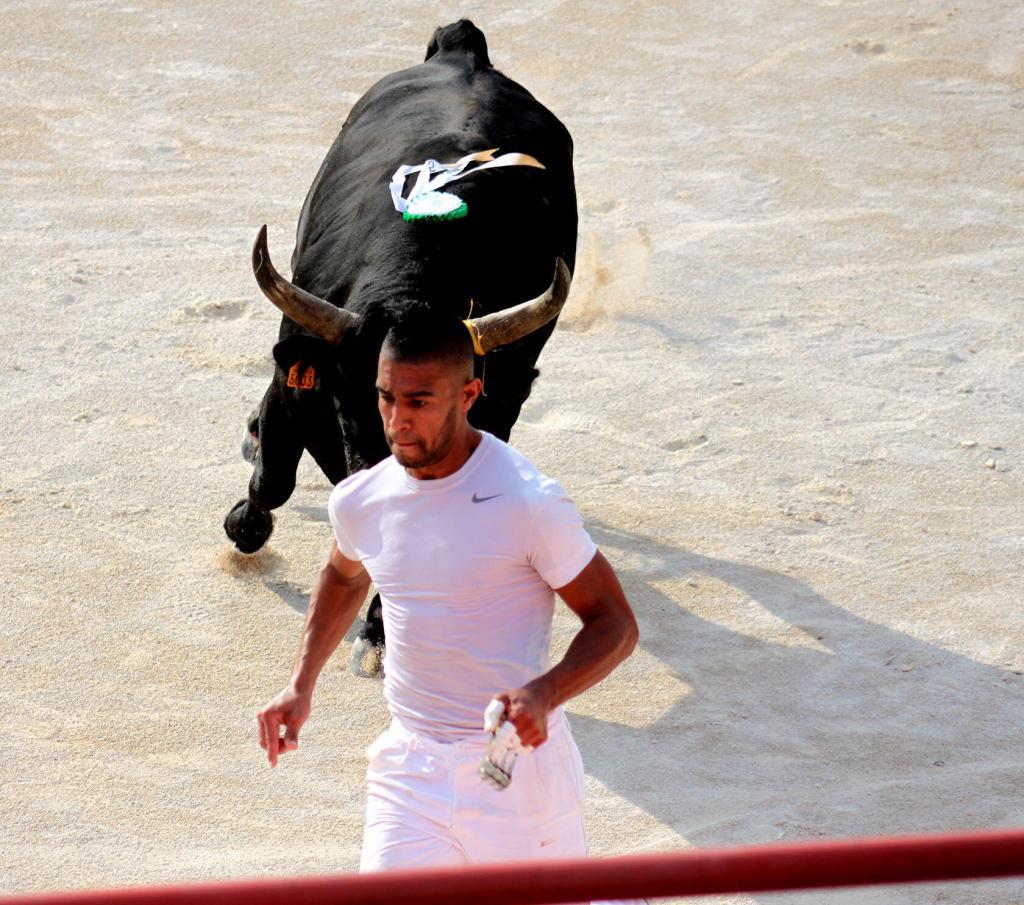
447 107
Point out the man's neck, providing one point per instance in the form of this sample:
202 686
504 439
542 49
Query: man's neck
457 456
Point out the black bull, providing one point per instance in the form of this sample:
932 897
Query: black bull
354 251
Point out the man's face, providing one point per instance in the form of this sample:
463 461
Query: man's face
422 405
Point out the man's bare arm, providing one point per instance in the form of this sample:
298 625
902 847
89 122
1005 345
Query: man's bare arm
608 635
334 603
339 591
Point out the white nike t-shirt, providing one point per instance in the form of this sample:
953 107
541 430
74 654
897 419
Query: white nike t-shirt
465 566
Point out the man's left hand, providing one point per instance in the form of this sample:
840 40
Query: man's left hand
527 709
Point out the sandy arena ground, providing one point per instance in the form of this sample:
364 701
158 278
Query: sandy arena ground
786 394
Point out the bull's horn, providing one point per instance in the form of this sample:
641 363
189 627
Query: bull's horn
322 318
504 327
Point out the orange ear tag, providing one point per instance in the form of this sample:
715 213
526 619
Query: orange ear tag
308 377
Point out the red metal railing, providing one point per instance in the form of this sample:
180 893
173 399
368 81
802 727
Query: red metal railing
758 868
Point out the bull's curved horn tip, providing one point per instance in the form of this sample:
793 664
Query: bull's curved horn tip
561 281
260 253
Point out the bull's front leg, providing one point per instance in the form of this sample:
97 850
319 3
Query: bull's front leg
274 446
368 648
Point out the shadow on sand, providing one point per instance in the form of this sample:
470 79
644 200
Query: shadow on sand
864 730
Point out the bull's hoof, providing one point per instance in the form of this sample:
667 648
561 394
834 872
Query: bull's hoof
248 525
367 659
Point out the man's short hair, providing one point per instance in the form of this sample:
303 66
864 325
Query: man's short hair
423 335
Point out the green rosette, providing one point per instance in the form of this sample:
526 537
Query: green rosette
435 207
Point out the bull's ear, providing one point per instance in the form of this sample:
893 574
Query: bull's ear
299 347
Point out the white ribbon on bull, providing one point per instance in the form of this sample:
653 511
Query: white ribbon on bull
432 175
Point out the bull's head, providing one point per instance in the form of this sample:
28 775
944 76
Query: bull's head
331 322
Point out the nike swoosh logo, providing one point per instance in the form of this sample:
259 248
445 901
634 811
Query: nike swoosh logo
484 499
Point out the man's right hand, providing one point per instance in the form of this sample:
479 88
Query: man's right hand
289 709
339 591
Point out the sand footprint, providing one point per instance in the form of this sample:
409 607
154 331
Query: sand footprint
681 443
867 48
214 361
220 309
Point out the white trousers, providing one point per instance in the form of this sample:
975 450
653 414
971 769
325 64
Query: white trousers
427 805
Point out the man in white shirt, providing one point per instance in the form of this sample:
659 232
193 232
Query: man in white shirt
467 543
